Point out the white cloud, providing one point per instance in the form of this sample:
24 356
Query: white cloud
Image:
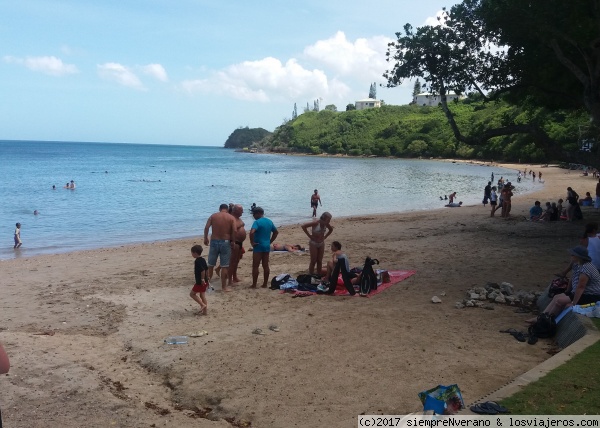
121 74
268 79
44 64
363 59
157 71
435 20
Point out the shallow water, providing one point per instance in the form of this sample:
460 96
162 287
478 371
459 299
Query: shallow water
128 193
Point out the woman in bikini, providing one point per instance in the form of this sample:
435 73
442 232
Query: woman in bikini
320 229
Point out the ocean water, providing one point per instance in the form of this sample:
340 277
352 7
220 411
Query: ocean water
129 193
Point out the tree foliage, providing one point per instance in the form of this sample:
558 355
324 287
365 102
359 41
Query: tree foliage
411 131
245 137
373 91
537 55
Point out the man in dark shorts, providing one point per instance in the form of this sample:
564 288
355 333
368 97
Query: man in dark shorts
262 235
315 200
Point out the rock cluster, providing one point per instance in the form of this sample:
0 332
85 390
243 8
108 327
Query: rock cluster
504 294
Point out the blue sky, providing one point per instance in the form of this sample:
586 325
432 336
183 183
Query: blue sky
189 71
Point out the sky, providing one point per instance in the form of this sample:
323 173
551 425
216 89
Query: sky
190 72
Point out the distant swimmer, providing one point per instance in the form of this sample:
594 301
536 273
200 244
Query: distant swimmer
35 212
72 185
54 187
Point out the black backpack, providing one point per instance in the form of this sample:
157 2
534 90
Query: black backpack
276 283
368 279
544 326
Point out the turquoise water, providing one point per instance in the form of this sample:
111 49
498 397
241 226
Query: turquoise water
127 193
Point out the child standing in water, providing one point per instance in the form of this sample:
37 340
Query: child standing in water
198 292
18 242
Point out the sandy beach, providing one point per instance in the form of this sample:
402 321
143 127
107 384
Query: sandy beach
85 330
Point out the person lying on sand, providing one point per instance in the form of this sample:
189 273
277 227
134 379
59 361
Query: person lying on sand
454 205
286 247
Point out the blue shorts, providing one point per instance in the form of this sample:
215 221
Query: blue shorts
262 248
220 248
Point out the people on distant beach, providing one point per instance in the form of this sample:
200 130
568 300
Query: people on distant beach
198 293
262 235
221 241
315 200
451 197
536 211
454 204
320 229
18 242
286 247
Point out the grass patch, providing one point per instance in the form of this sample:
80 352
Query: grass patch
571 389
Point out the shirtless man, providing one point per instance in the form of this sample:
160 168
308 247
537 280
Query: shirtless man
315 200
238 240
221 242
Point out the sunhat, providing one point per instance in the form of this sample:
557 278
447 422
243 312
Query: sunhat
580 252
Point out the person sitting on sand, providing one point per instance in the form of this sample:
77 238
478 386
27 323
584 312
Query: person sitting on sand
286 247
584 285
587 201
548 213
454 204
536 211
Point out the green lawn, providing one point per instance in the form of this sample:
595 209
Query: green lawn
571 389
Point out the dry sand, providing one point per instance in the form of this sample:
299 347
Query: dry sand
334 357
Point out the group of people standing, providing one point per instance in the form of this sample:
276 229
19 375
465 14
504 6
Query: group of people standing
502 201
225 234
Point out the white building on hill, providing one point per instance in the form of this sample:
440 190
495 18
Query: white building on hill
427 99
367 103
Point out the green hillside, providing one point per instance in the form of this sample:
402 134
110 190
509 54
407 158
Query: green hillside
412 131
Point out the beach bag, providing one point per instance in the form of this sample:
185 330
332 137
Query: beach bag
368 279
309 279
279 280
558 286
544 327
443 400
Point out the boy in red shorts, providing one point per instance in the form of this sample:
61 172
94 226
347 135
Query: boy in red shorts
198 293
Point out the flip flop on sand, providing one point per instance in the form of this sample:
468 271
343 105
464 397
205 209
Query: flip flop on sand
273 327
198 333
258 331
510 331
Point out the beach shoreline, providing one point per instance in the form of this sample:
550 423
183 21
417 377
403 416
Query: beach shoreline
85 330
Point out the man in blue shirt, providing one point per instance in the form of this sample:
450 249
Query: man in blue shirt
262 235
535 212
